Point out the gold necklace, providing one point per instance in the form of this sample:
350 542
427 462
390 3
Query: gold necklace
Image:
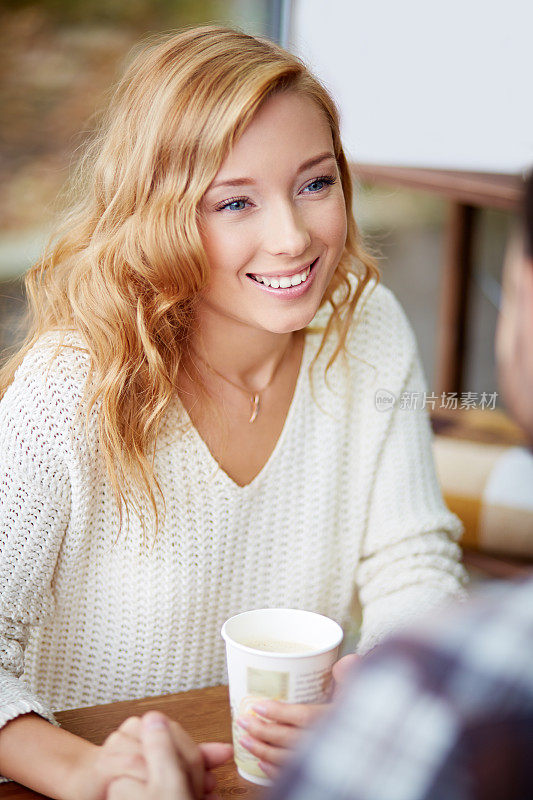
255 397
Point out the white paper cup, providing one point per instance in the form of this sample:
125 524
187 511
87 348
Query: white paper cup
300 676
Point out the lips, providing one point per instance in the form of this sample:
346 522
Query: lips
287 292
257 276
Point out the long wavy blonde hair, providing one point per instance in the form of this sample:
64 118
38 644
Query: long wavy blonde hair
128 266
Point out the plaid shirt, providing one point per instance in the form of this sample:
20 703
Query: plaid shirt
442 712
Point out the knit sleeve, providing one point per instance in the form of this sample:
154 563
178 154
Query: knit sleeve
34 514
410 560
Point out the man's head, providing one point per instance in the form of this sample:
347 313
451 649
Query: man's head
514 339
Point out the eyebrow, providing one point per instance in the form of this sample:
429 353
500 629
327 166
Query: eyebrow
312 162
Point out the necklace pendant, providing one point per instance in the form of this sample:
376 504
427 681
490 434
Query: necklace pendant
255 407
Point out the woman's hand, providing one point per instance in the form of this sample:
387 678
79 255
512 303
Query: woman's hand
122 757
273 734
119 755
275 729
176 768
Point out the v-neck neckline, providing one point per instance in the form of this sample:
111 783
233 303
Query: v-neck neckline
217 471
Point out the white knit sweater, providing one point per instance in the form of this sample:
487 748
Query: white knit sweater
348 499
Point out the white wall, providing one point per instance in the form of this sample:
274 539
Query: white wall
434 83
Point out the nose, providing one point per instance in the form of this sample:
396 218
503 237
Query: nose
286 230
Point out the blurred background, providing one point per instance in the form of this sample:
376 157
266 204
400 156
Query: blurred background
58 62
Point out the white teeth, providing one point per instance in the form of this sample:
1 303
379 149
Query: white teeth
284 282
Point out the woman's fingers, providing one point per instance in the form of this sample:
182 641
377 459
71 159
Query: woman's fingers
270 770
301 715
273 733
126 750
272 736
126 789
131 727
121 753
172 765
130 765
126 738
276 756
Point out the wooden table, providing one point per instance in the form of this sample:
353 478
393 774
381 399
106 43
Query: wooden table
204 713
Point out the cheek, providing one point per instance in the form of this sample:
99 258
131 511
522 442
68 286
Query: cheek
227 248
331 224
342 230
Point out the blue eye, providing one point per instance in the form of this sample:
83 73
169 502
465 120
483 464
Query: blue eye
231 205
327 180
234 203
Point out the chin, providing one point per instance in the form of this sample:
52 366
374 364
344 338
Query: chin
292 325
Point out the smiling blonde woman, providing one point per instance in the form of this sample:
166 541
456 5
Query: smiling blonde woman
191 428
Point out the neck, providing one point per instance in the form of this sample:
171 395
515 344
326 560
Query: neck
243 354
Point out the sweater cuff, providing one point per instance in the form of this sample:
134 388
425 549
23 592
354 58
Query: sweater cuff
396 611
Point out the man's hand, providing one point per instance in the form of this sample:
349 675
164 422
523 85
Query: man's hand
176 768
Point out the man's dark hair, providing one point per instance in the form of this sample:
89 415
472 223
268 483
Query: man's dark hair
528 214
